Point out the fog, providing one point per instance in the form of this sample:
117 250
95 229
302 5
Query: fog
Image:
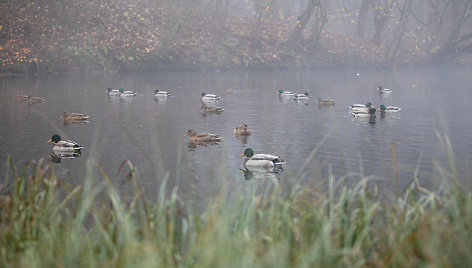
115 34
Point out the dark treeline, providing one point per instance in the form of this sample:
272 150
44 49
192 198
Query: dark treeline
51 35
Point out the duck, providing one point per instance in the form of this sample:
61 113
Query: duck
21 97
74 116
209 97
35 99
362 108
370 113
127 93
61 146
260 160
242 130
203 137
300 97
160 93
326 102
112 92
384 90
283 93
358 105
388 109
211 109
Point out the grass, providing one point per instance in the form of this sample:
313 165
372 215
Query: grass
46 223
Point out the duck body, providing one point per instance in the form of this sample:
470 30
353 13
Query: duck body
301 97
113 92
261 160
326 102
242 130
203 137
358 105
283 93
21 97
160 93
388 109
61 146
370 113
209 97
35 99
127 93
384 90
74 116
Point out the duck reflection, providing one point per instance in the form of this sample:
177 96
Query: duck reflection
56 157
250 173
160 99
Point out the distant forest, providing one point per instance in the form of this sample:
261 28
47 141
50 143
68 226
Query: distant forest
51 35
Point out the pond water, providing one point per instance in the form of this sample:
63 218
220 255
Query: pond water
149 132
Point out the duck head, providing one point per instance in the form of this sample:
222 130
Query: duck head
380 88
248 152
191 133
306 94
156 91
122 90
55 138
109 90
382 108
368 104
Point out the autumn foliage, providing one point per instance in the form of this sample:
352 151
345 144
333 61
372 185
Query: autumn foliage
46 36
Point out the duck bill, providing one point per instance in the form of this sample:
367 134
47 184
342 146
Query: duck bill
186 135
242 155
49 140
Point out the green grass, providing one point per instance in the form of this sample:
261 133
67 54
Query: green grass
46 223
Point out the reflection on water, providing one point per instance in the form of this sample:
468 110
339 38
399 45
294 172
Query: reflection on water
151 136
56 156
261 173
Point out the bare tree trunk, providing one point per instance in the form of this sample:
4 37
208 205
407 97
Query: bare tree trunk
362 22
302 22
404 14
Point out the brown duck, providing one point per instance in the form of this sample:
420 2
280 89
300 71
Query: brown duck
242 130
203 137
210 109
74 116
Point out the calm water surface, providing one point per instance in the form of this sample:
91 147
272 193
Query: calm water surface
150 132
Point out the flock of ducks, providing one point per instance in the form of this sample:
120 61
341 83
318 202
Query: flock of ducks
266 162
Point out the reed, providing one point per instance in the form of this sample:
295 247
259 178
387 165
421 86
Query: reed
46 223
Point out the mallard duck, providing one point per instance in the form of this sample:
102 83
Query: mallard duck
127 93
64 146
74 116
209 97
35 99
300 97
369 113
388 109
242 130
358 105
211 109
112 92
160 93
260 160
326 102
384 90
202 137
283 93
